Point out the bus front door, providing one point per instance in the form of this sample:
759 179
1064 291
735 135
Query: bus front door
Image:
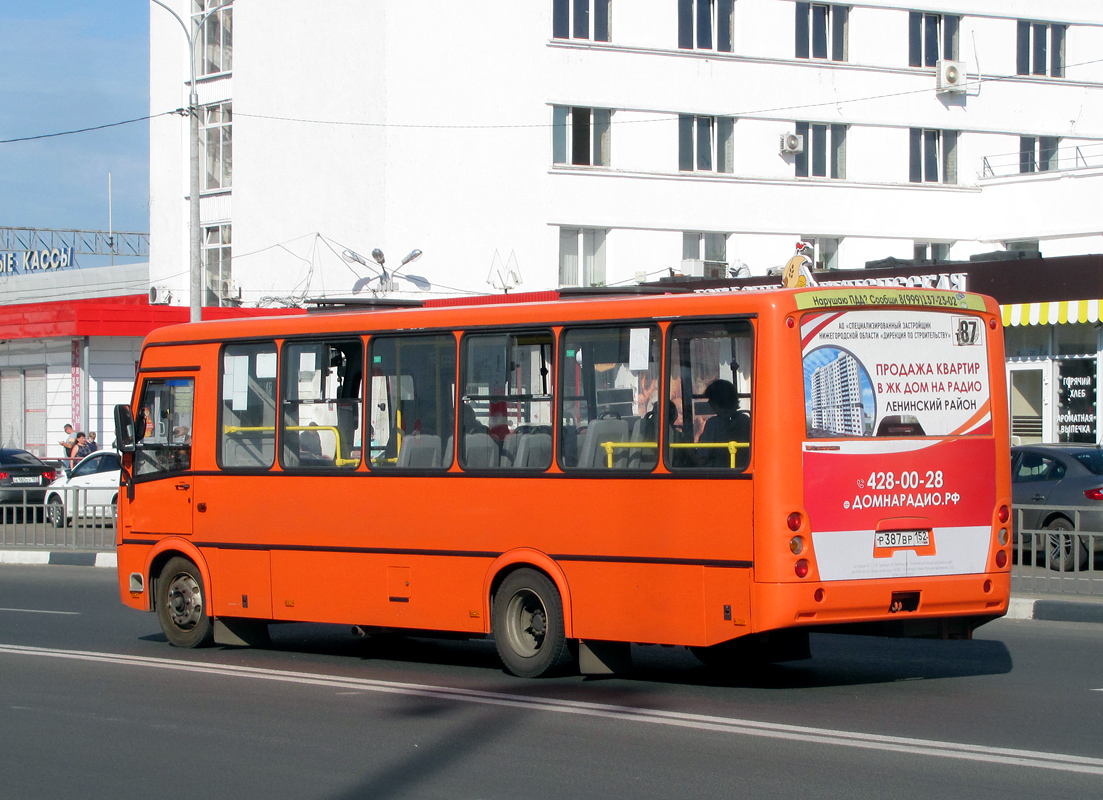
162 503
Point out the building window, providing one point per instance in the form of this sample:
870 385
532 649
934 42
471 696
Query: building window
1041 49
705 144
821 31
23 410
581 136
219 288
825 251
933 156
581 19
932 251
217 137
710 250
1037 153
587 245
827 145
705 25
216 37
931 38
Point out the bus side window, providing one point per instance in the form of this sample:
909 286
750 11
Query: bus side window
165 417
610 397
247 411
321 404
506 413
709 396
412 401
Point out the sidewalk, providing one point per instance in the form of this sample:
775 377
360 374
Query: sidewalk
68 558
1052 608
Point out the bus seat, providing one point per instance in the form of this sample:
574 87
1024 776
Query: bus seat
509 449
449 449
480 451
534 451
603 430
642 457
419 450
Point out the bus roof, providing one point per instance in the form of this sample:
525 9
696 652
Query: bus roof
559 311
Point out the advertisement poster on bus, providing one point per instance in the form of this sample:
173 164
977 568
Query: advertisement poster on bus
897 419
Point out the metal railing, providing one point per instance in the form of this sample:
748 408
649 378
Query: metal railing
75 525
1061 558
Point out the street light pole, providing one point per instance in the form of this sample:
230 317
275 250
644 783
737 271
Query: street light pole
195 232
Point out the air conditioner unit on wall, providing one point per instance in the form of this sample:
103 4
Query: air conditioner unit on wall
951 76
792 143
699 268
159 295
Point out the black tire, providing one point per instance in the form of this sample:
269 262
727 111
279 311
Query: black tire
55 512
182 605
527 623
1066 551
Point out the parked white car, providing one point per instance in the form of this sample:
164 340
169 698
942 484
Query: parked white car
89 490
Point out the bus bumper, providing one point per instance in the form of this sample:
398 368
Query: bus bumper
944 607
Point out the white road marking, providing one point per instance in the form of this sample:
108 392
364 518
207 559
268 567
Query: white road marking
40 611
770 730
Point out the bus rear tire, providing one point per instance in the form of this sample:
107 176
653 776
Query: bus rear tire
182 605
527 624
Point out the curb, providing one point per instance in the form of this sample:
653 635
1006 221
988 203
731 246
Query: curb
65 558
1080 610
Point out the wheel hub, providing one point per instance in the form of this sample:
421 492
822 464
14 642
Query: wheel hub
185 602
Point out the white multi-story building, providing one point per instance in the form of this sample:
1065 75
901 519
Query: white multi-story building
581 142
836 395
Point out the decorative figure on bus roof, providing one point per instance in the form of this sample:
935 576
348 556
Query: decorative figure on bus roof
728 424
798 271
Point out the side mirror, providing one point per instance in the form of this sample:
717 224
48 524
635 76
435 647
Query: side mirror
124 429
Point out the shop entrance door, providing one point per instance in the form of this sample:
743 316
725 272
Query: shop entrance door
1030 391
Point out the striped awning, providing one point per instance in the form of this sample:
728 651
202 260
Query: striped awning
1053 313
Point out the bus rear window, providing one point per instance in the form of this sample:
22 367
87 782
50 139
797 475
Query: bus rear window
894 373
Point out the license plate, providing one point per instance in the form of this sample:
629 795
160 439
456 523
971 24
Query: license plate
34 480
903 538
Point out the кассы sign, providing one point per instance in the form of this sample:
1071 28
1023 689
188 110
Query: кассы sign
27 261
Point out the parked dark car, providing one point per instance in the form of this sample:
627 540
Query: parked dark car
23 482
1057 485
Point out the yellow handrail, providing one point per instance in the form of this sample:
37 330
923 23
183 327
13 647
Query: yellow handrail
337 460
731 447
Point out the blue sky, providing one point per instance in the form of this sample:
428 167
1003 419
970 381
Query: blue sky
67 64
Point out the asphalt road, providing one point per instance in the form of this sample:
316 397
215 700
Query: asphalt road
94 702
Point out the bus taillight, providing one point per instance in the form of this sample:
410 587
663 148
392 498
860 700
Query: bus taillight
794 521
801 568
796 545
1004 514
1001 559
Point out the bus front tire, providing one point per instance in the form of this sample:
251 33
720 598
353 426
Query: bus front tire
527 624
182 605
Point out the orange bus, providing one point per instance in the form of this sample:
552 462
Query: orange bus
724 471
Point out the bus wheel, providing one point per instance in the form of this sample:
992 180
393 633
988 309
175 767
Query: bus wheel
528 625
181 605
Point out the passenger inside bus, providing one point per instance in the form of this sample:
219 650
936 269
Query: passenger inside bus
728 424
